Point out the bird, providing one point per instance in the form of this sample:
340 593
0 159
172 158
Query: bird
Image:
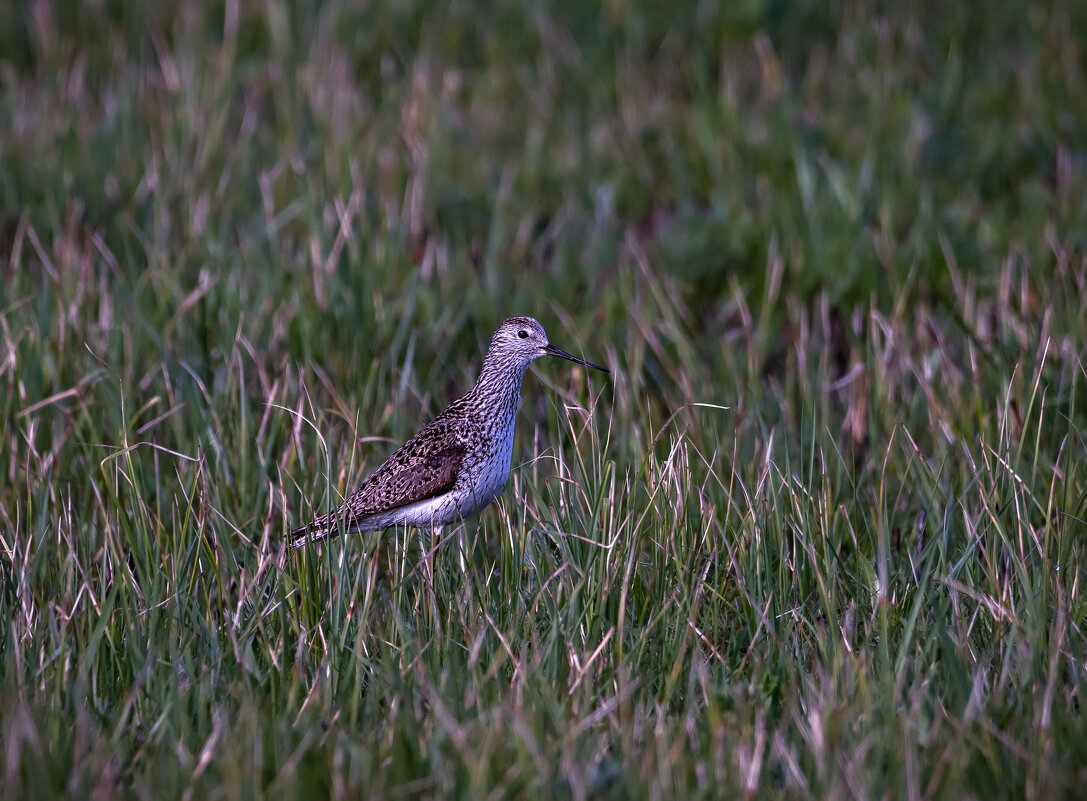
456 465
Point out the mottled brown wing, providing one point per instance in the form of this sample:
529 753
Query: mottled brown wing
424 467
410 475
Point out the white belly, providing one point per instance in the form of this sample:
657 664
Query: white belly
433 512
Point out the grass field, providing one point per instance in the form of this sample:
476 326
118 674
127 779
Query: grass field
821 534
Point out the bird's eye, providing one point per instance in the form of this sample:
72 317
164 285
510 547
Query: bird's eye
523 334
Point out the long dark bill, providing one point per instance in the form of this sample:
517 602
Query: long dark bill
560 352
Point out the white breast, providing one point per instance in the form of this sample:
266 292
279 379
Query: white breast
486 477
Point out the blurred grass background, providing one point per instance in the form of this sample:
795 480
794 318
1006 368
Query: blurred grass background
247 248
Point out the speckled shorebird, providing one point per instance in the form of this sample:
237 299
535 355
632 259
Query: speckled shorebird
458 463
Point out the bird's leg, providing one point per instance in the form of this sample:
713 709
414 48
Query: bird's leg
403 537
461 548
435 540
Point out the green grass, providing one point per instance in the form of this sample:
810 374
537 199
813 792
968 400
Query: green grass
821 534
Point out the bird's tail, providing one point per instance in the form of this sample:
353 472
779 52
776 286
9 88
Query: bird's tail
329 525
312 532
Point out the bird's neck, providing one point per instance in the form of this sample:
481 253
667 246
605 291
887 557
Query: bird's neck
499 382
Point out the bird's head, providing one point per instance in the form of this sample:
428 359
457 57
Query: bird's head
525 340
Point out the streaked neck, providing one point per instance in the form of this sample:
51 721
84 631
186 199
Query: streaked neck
501 378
